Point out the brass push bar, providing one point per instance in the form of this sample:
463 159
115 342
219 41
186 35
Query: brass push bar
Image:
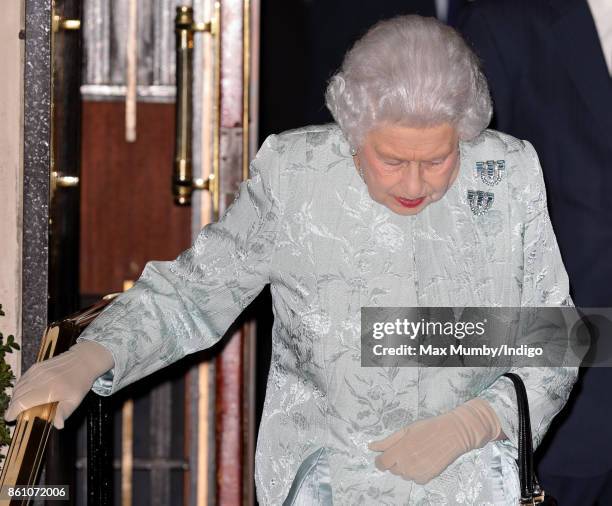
183 183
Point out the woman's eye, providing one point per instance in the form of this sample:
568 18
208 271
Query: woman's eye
393 163
435 164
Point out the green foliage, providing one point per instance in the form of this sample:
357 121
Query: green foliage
6 380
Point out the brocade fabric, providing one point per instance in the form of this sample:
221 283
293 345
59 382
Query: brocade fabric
305 223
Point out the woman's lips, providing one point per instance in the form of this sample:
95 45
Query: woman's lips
409 202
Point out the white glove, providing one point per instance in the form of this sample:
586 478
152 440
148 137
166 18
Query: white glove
422 450
65 379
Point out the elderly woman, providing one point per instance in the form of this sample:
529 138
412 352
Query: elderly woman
396 204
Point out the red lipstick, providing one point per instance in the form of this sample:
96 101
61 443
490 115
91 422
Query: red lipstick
409 202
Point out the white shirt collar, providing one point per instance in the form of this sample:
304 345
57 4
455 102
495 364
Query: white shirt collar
602 15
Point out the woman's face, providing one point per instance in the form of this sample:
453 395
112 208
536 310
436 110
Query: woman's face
405 168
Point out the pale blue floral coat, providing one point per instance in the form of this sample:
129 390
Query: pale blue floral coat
305 223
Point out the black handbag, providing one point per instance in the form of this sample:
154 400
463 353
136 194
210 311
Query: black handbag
531 491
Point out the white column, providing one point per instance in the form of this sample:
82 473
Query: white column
11 173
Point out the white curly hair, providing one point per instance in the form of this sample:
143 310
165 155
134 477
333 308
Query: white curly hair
413 71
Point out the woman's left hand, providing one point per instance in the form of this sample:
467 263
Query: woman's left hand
423 449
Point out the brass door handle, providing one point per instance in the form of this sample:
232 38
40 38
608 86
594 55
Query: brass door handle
62 181
60 23
183 183
59 180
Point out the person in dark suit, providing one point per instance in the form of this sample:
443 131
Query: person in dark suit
550 82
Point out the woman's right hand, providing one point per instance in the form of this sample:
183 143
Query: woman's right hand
65 379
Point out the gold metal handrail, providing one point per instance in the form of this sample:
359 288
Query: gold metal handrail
26 451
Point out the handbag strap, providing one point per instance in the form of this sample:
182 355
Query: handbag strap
529 483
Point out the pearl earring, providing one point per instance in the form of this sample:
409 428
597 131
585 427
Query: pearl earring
354 153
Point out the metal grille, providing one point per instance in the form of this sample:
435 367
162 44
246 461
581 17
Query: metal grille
158 462
105 24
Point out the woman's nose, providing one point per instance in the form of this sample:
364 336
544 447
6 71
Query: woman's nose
412 181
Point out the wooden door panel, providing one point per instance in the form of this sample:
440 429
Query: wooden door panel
127 212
